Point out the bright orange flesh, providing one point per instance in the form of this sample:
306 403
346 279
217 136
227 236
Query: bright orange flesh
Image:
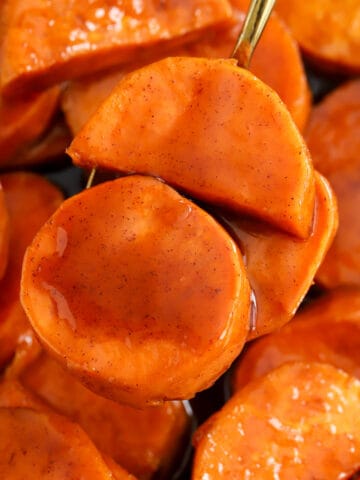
24 121
48 446
4 233
47 148
276 61
48 42
30 200
142 441
334 142
326 30
326 331
219 133
159 280
281 268
301 421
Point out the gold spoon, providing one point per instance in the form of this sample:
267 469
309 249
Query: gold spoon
255 21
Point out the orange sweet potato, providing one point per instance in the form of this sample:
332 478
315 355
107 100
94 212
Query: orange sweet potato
143 441
334 142
24 121
327 31
13 394
4 233
326 331
301 421
48 148
30 200
218 133
281 268
47 445
160 289
276 61
46 43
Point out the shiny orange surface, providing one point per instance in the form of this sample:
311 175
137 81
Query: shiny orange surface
301 421
24 121
49 41
327 30
328 331
281 268
276 61
39 443
159 280
142 441
4 233
30 200
334 141
206 137
47 148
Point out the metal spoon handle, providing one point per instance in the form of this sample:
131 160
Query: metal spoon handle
255 21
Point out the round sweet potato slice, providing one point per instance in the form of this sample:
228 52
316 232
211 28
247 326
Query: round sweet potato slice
327 31
30 200
327 331
145 441
218 133
48 446
299 421
47 43
333 138
276 61
281 268
131 274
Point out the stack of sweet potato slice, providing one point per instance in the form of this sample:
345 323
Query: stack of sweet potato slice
141 291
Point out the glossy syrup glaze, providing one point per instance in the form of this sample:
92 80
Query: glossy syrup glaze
49 41
299 421
133 264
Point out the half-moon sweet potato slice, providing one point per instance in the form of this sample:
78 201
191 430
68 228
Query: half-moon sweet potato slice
328 330
47 43
276 61
281 268
44 445
218 133
334 141
30 200
131 274
327 31
300 421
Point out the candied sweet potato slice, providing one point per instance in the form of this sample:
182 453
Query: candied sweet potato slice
143 441
276 61
46 43
14 394
299 421
4 233
281 268
327 31
333 138
47 445
51 146
30 200
218 133
130 273
328 330
24 121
